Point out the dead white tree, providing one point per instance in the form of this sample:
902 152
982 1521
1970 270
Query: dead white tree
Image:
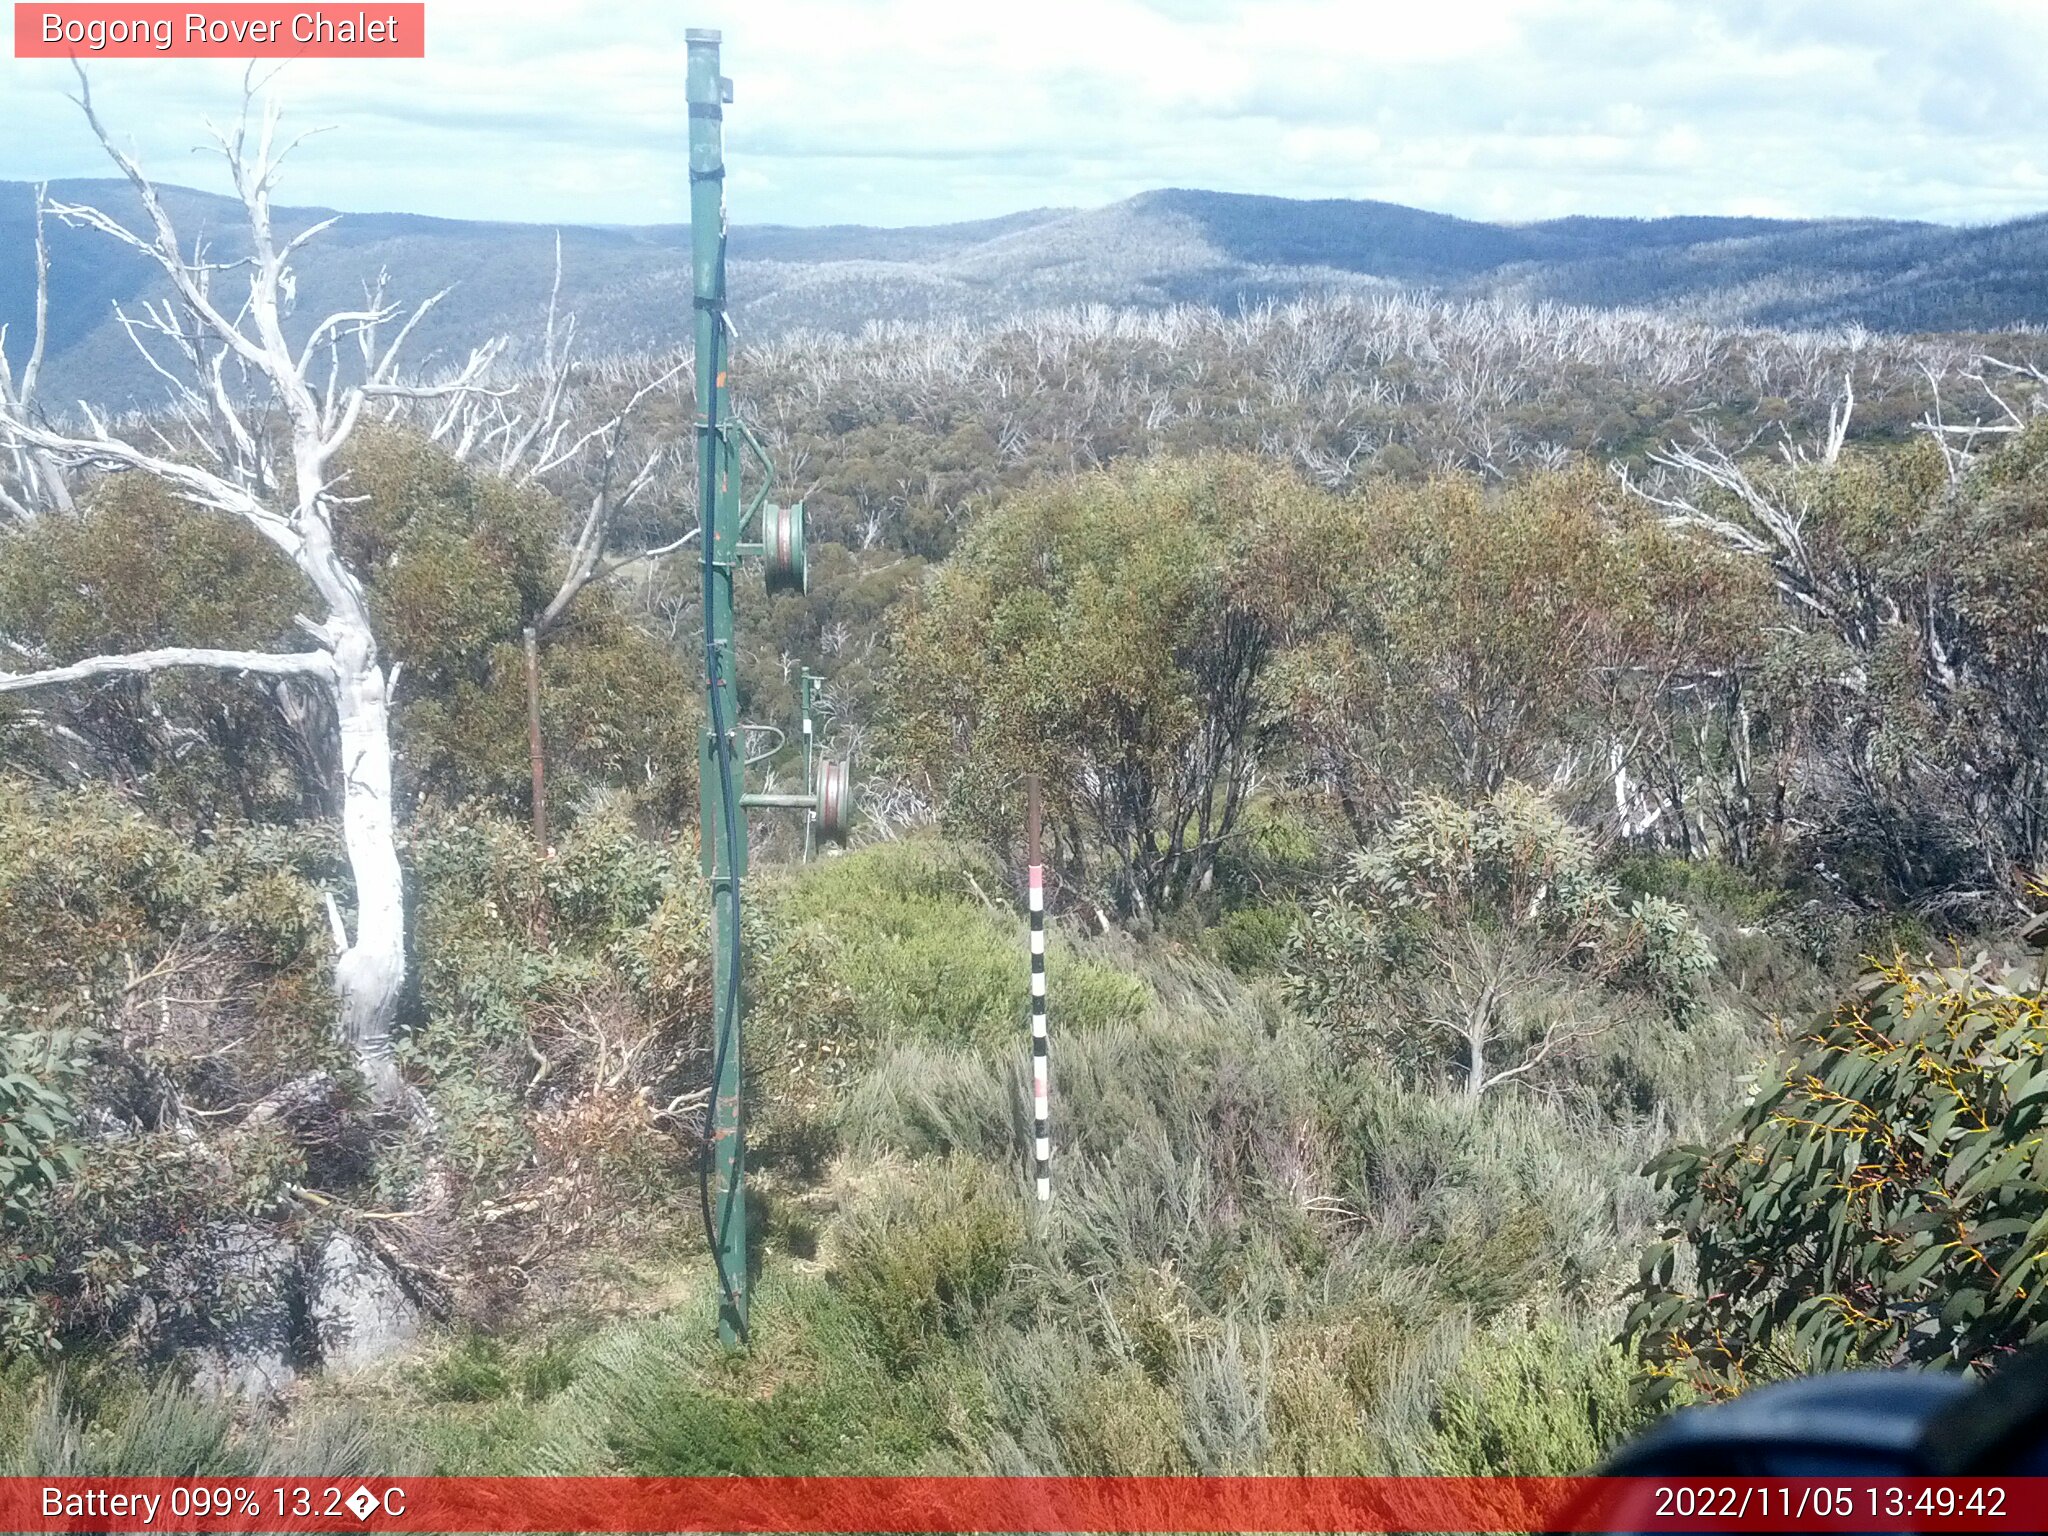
539 433
1959 439
280 481
1704 487
30 482
592 557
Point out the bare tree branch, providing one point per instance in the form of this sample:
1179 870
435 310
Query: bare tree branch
267 663
196 485
588 559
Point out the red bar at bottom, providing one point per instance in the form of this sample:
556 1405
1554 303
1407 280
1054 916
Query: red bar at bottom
1049 1504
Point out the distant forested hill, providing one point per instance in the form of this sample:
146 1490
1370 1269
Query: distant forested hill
629 286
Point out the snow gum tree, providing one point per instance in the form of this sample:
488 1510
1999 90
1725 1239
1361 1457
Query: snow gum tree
255 423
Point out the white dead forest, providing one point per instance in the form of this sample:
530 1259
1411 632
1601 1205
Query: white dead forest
353 967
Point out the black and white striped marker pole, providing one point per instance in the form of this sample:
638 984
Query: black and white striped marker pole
1041 1137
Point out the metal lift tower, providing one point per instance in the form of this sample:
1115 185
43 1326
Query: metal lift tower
827 797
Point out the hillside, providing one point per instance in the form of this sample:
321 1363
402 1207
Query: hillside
1489 829
628 285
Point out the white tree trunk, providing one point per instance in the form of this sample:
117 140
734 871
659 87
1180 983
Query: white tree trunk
370 974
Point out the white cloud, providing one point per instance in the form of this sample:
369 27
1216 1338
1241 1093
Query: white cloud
900 111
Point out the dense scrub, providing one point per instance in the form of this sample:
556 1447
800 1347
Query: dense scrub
1260 1259
1438 824
174 1000
1821 673
459 564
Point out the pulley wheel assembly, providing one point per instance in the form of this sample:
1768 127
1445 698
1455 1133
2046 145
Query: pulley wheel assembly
835 799
782 549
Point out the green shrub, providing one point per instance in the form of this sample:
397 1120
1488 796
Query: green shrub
460 563
1252 941
142 979
1113 632
922 1101
549 1369
132 570
1486 939
1116 1421
1699 883
1532 1397
133 1429
912 941
1879 1200
87 889
923 1262
456 563
474 1371
1315 1417
38 1119
809 1397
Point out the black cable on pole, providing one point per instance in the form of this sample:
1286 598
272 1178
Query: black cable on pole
725 1018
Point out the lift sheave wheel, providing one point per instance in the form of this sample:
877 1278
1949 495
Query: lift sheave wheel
782 548
835 800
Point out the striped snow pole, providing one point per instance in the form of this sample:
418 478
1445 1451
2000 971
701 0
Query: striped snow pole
1041 1137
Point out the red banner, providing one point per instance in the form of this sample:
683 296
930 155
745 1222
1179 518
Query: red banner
238 31
1054 1505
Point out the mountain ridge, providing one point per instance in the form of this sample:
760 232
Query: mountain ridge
629 285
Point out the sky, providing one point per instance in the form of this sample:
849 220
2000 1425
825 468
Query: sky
927 111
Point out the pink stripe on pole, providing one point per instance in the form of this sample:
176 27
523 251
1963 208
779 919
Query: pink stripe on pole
1038 877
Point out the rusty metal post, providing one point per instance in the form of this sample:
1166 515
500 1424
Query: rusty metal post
535 751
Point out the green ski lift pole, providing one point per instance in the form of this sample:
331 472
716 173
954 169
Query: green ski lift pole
827 797
722 833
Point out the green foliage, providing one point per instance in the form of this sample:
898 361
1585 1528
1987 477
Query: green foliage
563 1011
107 925
904 427
39 1141
1282 845
809 1398
1488 928
95 899
921 1267
916 962
472 1372
137 568
134 1430
1256 1261
1880 1199
461 558
148 1240
91 1420
1486 631
459 565
1252 940
482 1369
1113 633
84 882
1531 1397
1708 883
